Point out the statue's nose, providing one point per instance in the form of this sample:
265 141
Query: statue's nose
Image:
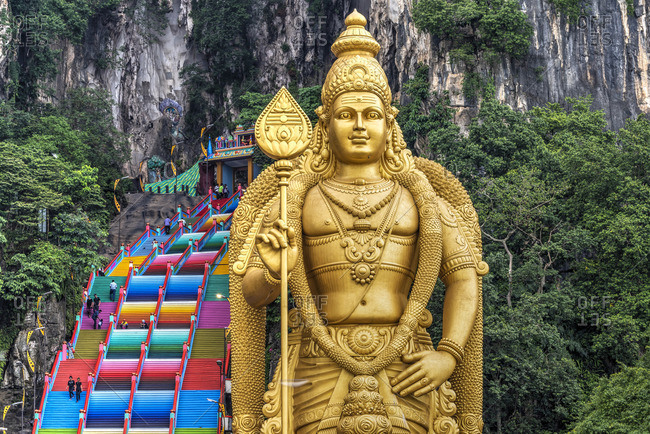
358 125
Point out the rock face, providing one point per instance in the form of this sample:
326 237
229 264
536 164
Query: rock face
604 54
41 348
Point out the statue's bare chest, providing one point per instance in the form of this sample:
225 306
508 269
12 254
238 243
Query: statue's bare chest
328 211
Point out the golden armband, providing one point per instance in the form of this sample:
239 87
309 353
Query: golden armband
456 262
451 347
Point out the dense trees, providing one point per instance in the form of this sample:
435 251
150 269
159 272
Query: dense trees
59 165
563 203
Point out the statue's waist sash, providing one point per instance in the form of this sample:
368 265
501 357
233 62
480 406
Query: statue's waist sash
363 341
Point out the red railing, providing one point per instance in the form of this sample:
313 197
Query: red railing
116 260
141 239
218 257
199 206
181 260
172 239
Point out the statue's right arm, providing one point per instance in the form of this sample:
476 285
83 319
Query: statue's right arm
258 291
261 283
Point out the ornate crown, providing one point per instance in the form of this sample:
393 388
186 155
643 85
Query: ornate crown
355 68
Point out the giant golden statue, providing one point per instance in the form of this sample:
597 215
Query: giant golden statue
369 229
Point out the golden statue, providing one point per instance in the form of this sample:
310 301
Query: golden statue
368 230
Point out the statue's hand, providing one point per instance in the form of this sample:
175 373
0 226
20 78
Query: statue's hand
270 245
428 370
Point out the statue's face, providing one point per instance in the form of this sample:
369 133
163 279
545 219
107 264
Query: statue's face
357 128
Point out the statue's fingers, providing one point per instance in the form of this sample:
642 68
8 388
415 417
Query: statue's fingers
280 224
410 358
419 384
291 234
404 374
278 236
410 384
274 242
424 390
263 238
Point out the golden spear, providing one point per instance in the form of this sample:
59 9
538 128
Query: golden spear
283 132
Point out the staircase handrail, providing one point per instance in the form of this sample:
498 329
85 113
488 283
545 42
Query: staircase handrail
147 261
47 387
196 226
177 388
181 260
227 222
172 239
228 202
138 242
206 274
78 319
128 411
92 381
206 236
115 261
218 257
123 294
199 206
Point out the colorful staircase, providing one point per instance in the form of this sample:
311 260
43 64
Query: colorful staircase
169 377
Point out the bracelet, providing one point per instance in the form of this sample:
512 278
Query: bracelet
270 279
451 347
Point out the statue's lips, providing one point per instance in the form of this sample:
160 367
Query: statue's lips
359 140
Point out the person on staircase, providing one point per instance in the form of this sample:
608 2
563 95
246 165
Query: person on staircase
71 387
144 325
95 317
96 301
112 289
168 223
225 191
220 195
89 306
100 323
78 389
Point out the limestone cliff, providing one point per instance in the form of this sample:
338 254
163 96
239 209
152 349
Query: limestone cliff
604 54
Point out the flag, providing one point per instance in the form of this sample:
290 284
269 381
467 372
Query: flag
203 149
4 413
38 320
117 204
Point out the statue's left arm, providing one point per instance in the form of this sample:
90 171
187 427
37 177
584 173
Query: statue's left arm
429 369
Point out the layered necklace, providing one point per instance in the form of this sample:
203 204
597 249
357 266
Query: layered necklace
362 248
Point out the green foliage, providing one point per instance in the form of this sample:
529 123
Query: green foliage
44 24
427 120
491 27
476 28
563 204
571 8
220 32
620 403
63 161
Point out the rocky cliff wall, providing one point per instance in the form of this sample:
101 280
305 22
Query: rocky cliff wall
604 54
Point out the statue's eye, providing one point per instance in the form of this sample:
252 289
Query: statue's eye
373 115
345 115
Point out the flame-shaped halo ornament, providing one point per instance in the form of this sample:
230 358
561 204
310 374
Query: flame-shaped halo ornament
283 130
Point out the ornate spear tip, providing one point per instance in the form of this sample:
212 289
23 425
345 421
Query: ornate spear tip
356 19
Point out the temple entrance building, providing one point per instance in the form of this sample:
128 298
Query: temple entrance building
229 161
